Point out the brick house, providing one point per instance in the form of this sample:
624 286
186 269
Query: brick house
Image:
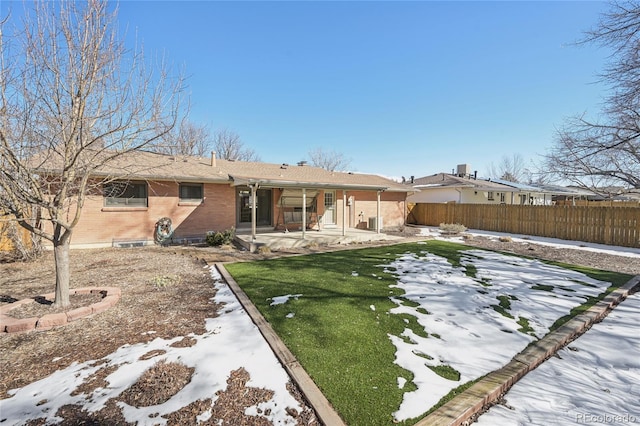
209 194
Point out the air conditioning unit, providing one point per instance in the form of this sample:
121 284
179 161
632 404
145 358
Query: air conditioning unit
372 222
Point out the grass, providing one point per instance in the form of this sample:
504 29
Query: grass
339 339
446 372
525 327
342 324
542 287
614 278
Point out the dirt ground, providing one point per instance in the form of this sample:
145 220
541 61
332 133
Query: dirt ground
592 259
174 291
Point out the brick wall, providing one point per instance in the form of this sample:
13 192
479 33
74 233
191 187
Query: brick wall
364 206
102 225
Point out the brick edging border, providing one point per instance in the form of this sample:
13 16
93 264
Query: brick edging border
8 324
491 387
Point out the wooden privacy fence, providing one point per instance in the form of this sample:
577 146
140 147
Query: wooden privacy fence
10 229
618 226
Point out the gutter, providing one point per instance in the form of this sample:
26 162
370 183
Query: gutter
270 183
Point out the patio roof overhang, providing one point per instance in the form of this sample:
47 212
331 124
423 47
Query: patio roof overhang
255 183
275 183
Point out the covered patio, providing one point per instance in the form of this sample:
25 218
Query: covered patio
279 240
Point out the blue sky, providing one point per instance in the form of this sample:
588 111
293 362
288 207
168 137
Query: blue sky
400 88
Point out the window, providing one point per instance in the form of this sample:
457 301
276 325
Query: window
328 199
191 192
490 195
120 193
501 197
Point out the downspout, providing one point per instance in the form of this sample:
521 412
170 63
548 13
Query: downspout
459 191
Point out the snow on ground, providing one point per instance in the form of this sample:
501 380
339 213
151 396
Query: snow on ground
279 300
232 341
551 242
455 309
458 312
596 379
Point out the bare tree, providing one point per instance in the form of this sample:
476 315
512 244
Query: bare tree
512 169
228 146
73 100
189 139
329 160
606 151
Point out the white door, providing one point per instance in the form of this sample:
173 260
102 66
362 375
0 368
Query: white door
329 217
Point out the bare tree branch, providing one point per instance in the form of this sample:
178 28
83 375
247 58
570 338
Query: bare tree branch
329 160
512 169
228 146
604 152
187 139
73 100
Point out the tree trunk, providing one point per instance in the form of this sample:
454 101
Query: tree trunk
61 255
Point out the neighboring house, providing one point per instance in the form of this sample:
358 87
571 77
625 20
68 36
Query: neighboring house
569 195
209 194
530 194
574 195
447 188
466 188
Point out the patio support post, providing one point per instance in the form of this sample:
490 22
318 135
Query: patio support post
378 213
344 212
254 191
304 212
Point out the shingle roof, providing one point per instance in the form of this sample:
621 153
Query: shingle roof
446 180
154 166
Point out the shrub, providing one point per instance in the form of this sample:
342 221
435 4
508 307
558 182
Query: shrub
161 282
264 250
452 228
506 239
221 238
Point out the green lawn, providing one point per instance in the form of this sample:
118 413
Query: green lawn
342 322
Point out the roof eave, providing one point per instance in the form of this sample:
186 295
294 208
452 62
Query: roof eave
177 178
276 183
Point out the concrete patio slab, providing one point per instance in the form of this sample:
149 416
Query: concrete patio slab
279 240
